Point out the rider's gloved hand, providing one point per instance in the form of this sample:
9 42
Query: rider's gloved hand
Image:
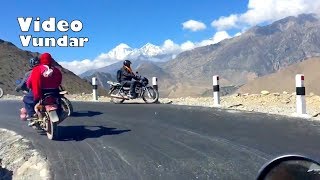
17 89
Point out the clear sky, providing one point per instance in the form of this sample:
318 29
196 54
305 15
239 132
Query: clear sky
111 22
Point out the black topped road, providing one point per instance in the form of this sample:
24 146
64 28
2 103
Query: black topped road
158 141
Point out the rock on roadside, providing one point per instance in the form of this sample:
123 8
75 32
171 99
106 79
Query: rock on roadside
18 157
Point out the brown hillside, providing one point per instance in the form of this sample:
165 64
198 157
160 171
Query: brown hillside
284 80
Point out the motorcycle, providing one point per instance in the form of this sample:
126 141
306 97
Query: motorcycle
49 115
65 102
51 110
290 167
119 93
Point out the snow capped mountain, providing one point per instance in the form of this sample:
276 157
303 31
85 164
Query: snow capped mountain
120 52
151 50
148 51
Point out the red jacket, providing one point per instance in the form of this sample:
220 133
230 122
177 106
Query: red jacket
44 76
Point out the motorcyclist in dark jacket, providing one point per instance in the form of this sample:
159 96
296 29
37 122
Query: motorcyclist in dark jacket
128 78
28 98
23 84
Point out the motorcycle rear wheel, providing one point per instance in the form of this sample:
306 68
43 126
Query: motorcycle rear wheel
52 127
116 91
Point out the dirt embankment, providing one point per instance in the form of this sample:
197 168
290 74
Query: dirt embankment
19 160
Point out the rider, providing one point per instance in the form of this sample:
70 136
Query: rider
44 78
28 98
33 62
126 78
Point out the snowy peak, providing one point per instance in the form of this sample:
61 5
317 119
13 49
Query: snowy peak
123 51
150 50
120 52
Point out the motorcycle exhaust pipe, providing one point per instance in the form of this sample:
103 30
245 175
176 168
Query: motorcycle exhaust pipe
118 97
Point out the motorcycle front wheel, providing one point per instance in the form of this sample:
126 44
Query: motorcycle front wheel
150 95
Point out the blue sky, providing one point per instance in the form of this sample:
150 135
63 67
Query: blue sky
111 22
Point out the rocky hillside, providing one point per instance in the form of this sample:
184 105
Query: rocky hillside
284 80
14 63
102 79
255 53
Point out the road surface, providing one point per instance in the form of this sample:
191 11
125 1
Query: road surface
158 141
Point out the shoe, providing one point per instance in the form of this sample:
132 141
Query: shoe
130 96
34 117
31 123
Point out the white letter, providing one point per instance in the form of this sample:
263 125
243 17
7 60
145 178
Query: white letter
76 26
36 25
37 42
48 40
74 42
63 41
63 26
49 25
25 40
82 41
24 24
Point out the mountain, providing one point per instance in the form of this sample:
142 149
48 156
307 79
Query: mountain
14 64
120 52
102 79
257 52
148 52
284 80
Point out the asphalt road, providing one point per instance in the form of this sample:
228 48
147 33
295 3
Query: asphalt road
139 141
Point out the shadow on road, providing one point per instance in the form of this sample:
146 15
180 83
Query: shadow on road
86 114
79 133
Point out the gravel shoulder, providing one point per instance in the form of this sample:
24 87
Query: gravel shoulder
272 103
19 160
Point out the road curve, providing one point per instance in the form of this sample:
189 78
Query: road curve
139 141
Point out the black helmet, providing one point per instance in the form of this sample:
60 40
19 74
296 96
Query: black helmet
34 62
127 63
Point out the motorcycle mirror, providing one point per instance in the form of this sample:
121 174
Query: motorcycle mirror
18 82
137 72
290 167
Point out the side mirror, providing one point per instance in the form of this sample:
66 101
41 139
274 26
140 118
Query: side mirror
290 167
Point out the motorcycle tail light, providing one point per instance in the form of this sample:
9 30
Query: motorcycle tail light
49 100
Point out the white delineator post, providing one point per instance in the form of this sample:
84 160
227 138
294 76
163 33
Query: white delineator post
216 90
300 92
94 88
155 84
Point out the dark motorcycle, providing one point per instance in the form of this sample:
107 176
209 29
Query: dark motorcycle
119 93
290 167
49 114
65 102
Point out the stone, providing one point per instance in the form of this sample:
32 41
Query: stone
264 92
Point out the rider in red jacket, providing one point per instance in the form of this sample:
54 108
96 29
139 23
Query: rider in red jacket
45 76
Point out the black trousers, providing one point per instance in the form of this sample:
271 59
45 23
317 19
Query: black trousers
132 84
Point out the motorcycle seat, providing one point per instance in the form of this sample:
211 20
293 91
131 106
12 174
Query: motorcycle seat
113 83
